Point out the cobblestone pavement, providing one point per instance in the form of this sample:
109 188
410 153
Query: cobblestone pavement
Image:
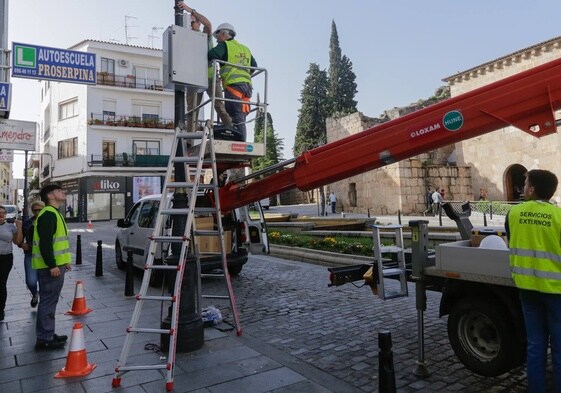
289 306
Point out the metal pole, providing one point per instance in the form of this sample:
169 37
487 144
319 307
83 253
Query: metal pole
25 192
419 260
190 329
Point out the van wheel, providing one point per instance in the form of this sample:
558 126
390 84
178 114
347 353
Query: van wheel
482 336
119 257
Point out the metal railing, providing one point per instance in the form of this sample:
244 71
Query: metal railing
129 81
102 119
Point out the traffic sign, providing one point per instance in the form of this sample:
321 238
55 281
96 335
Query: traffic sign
60 65
5 92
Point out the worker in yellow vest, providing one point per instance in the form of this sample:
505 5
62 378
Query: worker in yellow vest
534 229
236 80
51 258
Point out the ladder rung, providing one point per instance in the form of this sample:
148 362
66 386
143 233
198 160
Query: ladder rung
394 249
147 367
215 296
149 330
189 160
160 298
393 272
162 267
207 210
183 212
186 184
206 232
210 275
394 295
168 239
191 135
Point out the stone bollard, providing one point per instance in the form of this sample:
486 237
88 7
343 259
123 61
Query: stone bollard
79 250
386 374
99 261
129 278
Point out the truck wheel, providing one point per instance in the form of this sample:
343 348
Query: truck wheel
482 337
119 257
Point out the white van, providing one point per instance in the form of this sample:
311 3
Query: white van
12 213
242 235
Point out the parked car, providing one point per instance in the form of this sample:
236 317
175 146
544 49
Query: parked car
12 213
241 234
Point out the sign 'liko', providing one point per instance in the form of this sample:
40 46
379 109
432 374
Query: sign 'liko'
61 65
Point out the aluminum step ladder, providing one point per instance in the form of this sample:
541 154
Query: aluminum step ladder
390 268
193 186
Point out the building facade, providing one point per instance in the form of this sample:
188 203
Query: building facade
501 158
494 163
107 144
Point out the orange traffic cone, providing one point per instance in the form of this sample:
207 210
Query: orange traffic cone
90 225
77 360
79 303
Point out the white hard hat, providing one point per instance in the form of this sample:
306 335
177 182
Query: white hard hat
225 26
493 242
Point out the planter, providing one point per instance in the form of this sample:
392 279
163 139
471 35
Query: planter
317 257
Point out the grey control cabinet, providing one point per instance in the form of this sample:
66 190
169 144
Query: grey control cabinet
185 57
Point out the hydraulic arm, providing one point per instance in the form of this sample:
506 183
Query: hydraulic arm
527 100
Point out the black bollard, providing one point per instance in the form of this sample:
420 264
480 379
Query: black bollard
79 250
99 261
484 219
129 278
386 374
368 210
399 217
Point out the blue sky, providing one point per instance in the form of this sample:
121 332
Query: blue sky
400 50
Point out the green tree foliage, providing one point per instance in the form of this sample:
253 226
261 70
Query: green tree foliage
273 150
342 85
310 129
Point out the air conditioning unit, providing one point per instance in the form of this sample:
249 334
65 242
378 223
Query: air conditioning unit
123 63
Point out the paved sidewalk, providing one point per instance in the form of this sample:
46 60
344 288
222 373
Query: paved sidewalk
226 363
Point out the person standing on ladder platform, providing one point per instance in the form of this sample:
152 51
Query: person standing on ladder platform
236 81
194 98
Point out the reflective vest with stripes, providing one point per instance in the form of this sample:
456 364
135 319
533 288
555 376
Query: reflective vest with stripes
237 54
61 246
535 246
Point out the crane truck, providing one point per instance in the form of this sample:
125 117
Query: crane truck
485 323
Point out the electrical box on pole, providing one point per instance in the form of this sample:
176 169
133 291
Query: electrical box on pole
185 57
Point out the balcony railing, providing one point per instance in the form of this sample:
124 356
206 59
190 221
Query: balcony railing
130 81
129 121
129 160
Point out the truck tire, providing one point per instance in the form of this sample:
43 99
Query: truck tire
482 336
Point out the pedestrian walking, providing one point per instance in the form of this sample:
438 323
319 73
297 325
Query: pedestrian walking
333 201
437 200
51 258
31 279
10 234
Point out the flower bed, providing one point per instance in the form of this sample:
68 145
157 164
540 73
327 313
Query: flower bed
338 244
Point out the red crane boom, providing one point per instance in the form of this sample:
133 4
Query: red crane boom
526 100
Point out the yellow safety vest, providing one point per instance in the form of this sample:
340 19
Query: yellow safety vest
535 249
237 54
61 246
